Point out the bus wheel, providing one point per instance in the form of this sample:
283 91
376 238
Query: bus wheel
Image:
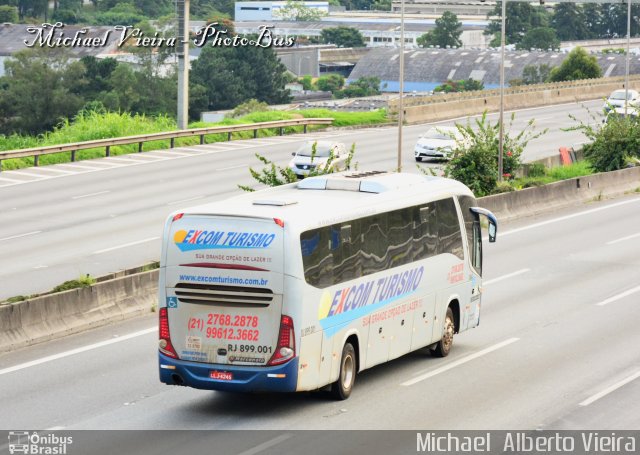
444 345
341 389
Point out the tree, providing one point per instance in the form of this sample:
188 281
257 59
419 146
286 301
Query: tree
342 37
460 86
539 38
446 34
593 20
8 14
233 75
521 17
295 10
577 65
535 74
570 22
365 86
40 89
330 83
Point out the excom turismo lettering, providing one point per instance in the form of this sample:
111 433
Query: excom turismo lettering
522 442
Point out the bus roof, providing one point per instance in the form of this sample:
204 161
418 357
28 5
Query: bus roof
328 199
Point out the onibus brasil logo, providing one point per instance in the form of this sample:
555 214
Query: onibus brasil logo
33 443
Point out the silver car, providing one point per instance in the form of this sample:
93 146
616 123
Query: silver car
616 99
438 142
303 163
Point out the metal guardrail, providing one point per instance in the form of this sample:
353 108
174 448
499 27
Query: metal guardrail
74 147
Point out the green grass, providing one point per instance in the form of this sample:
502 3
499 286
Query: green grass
555 174
349 118
110 125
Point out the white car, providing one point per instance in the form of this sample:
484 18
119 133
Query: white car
438 142
616 99
619 112
303 163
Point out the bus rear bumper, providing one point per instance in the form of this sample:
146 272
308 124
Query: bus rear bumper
281 378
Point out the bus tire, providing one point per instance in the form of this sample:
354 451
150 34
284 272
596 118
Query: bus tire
443 347
341 389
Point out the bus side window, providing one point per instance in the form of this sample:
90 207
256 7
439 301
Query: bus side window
425 236
449 236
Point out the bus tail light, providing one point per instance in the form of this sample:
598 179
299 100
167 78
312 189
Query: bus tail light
286 349
164 344
177 216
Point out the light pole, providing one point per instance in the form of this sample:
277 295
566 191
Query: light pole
626 70
182 51
401 103
501 136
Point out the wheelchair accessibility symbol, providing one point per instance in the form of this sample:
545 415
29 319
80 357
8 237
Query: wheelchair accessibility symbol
172 302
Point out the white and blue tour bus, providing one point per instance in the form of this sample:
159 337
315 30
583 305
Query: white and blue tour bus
305 285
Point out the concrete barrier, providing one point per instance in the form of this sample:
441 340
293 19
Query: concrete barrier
531 201
443 107
53 316
120 297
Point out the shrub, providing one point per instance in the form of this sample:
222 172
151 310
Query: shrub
612 144
475 158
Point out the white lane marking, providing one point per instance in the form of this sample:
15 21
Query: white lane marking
54 428
79 166
567 217
90 194
123 160
185 200
20 235
11 180
164 152
504 277
619 296
27 174
125 245
608 390
622 239
459 362
231 167
265 445
191 149
134 156
40 267
49 169
89 347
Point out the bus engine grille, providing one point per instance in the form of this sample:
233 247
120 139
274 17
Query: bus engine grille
223 295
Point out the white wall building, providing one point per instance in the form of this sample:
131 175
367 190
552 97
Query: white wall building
270 10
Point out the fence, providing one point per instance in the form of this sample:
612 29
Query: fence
36 152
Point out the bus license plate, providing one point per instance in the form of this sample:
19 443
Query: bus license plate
221 375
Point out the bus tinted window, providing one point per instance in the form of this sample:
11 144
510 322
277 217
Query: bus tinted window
449 236
345 251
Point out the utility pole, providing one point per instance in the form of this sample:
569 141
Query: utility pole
182 53
401 99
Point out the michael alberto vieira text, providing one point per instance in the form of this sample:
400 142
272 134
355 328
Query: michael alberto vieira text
522 442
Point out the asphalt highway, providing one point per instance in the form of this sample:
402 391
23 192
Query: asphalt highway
95 217
557 348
